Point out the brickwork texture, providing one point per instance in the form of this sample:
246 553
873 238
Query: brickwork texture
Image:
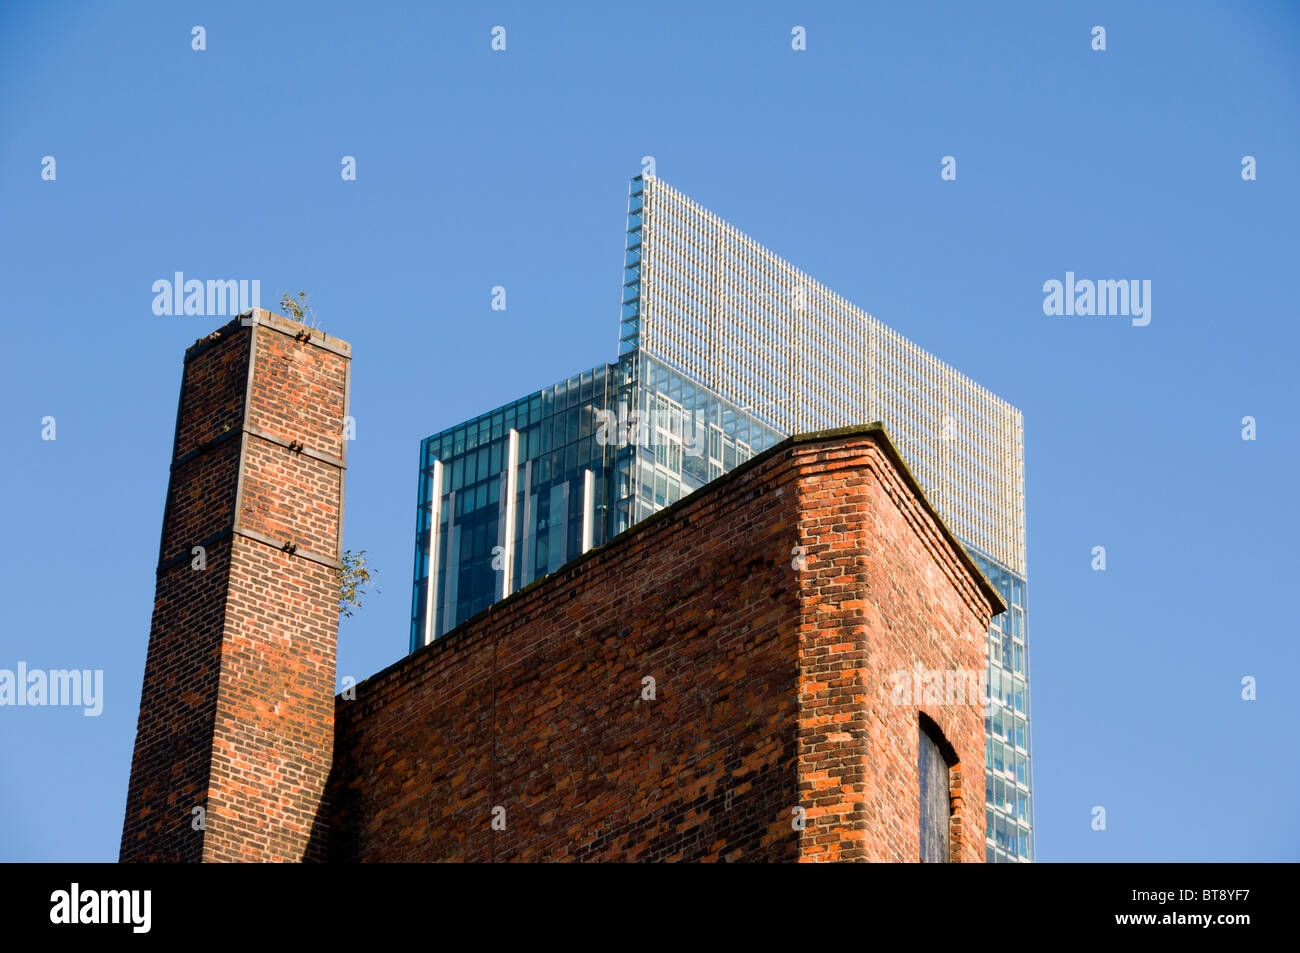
717 684
235 736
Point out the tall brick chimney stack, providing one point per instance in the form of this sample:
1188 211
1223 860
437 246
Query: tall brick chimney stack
236 731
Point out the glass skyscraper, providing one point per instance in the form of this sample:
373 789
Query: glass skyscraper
725 349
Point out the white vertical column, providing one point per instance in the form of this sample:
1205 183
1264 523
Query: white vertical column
512 465
435 514
588 508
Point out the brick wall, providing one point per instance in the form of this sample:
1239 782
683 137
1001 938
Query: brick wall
885 591
236 713
771 609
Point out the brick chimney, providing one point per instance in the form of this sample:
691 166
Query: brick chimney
236 731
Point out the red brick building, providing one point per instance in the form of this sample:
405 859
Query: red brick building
739 677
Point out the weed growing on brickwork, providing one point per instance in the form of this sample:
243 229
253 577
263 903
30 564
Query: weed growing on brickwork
299 308
356 577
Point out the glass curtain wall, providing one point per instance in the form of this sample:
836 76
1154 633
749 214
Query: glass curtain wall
556 445
1008 776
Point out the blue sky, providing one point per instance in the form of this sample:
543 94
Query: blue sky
477 168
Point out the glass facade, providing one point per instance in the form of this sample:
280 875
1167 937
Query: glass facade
556 447
679 436
593 455
1008 778
725 349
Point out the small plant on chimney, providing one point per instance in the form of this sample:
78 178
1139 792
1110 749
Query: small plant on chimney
300 309
356 576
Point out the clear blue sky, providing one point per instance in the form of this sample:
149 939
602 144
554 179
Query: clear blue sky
477 168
